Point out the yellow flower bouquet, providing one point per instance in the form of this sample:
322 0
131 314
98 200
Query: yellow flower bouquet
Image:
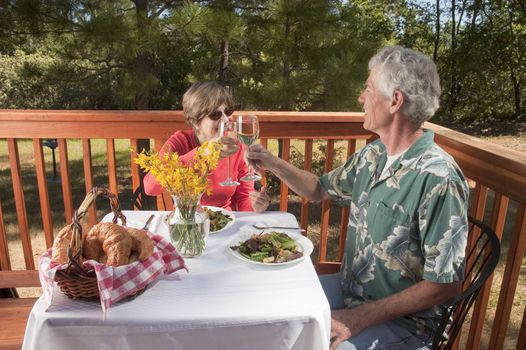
186 183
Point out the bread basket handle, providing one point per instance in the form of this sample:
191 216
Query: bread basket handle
75 246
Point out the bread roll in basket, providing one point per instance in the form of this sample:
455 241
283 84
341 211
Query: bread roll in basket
100 263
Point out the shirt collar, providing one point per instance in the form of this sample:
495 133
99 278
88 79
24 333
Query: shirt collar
416 148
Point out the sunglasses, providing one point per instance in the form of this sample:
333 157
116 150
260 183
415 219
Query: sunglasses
216 115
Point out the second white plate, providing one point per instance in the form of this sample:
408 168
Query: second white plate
224 212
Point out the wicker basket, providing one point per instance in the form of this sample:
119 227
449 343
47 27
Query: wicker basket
75 281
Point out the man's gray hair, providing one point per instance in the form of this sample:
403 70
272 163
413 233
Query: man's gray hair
414 75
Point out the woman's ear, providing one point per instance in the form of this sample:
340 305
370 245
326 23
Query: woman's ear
397 101
195 125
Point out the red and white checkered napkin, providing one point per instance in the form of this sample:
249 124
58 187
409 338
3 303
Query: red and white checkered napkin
116 283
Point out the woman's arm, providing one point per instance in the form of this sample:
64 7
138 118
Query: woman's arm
177 143
241 198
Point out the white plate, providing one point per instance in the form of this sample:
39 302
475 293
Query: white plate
226 213
304 245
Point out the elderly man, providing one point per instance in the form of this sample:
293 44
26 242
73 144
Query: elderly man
408 201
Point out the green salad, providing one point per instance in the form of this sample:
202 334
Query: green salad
273 247
218 219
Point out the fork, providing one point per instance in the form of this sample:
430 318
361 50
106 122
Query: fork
260 227
145 227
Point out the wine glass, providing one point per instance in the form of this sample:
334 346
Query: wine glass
226 129
247 128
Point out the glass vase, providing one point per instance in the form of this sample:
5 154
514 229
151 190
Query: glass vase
189 227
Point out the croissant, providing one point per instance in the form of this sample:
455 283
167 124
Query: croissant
111 240
61 243
142 245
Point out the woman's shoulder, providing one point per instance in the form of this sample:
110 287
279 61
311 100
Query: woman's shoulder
187 135
182 141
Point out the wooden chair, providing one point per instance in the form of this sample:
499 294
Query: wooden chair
141 200
481 260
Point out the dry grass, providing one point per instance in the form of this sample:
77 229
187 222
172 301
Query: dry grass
516 142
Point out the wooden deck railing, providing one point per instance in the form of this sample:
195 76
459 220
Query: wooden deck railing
497 174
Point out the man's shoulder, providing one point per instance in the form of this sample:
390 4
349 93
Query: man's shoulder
366 158
438 163
373 149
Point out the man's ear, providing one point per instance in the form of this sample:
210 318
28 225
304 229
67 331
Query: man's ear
397 101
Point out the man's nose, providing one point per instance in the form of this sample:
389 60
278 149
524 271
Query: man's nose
361 99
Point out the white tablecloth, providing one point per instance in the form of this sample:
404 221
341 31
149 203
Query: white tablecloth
222 303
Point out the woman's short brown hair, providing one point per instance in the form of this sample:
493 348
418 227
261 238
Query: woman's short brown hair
203 98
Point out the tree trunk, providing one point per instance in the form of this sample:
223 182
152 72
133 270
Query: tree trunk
516 93
142 61
437 31
143 68
476 9
513 77
223 64
286 104
454 88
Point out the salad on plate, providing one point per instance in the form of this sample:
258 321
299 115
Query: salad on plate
269 248
219 218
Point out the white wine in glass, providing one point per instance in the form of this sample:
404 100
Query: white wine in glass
226 129
247 128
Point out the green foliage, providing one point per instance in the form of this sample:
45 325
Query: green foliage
276 54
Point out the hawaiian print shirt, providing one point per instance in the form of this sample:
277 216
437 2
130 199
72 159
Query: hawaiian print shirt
406 226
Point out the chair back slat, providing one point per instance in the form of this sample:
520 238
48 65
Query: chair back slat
473 256
141 201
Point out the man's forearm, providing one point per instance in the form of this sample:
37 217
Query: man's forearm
300 181
421 296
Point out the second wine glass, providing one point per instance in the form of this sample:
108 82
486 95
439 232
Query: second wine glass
225 130
247 128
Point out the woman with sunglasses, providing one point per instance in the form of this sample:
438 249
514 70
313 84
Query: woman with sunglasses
205 104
